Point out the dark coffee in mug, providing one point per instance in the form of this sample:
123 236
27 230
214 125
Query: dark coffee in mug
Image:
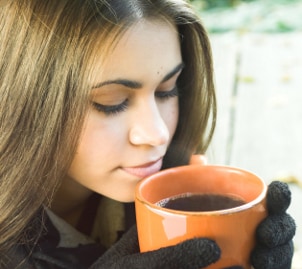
201 202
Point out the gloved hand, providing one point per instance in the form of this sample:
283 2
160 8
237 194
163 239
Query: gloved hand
191 254
274 248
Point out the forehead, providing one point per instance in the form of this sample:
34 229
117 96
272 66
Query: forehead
145 48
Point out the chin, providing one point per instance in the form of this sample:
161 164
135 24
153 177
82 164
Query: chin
123 197
124 193
126 199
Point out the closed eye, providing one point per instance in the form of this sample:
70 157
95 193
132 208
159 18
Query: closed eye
167 94
111 109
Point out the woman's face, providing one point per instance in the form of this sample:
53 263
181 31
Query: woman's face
134 112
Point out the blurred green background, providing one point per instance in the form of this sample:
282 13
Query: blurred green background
250 15
210 4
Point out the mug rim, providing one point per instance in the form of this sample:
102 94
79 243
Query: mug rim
238 209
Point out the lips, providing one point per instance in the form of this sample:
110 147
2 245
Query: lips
144 170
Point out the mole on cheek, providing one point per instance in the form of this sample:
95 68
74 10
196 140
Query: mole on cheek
159 71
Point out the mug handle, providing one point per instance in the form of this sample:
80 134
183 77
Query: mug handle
198 159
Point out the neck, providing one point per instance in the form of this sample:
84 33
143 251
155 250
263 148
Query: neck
69 201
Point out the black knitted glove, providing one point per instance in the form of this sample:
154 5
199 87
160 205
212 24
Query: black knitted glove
274 248
191 254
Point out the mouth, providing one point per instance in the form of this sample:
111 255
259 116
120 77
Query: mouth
144 170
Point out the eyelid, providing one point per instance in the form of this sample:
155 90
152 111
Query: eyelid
167 94
111 110
170 83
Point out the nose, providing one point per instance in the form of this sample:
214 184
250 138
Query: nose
148 127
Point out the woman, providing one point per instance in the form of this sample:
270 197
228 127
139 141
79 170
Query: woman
96 95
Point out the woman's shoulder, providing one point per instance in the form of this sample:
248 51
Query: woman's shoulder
17 257
59 245
54 246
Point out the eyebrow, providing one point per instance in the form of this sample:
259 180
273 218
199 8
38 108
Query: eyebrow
135 84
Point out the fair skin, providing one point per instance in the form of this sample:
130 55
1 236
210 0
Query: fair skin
132 119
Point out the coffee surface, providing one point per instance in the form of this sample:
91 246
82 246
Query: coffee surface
201 202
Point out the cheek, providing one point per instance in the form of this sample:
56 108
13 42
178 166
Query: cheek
170 115
97 139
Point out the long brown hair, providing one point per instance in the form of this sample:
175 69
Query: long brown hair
47 51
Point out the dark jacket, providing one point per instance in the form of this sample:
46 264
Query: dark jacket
47 254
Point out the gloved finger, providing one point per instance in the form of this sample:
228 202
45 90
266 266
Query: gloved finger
278 197
191 254
274 258
276 230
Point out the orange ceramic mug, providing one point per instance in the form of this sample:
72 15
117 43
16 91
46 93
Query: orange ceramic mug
233 229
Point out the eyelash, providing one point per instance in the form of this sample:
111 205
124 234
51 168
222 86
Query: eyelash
111 110
115 109
168 94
